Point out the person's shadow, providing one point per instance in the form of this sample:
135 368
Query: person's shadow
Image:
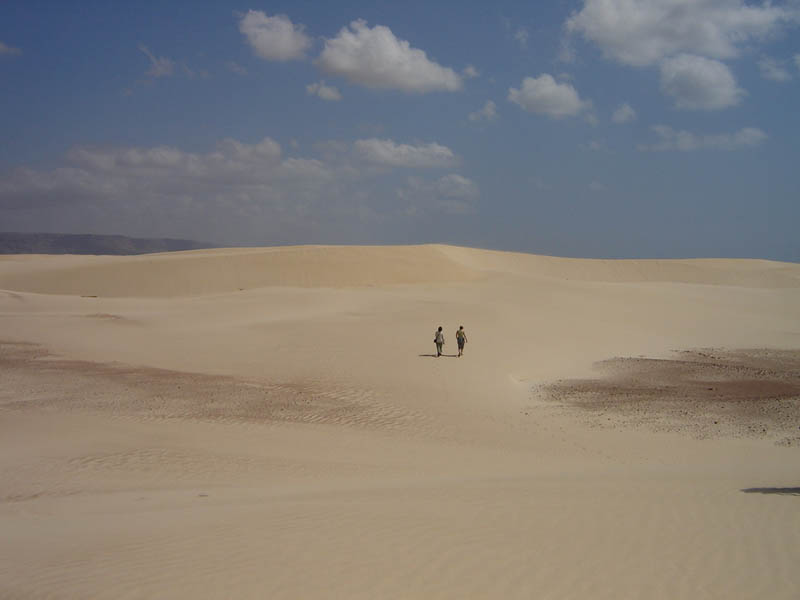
434 356
787 491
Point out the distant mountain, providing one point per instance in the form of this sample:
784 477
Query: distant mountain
67 243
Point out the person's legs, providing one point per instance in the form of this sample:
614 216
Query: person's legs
438 349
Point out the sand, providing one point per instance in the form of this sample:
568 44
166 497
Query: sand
270 423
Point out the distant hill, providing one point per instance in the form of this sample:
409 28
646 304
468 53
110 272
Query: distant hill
67 243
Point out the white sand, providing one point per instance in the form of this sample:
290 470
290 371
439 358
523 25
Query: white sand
404 476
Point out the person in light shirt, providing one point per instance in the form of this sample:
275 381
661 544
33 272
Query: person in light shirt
438 339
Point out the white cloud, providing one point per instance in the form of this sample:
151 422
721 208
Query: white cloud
686 141
643 32
488 112
375 58
521 36
326 92
451 194
6 50
470 72
698 83
238 192
387 152
130 175
546 96
773 70
274 38
160 66
456 186
624 113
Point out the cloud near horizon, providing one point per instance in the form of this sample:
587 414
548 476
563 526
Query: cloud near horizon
6 50
451 194
238 185
686 141
389 153
375 58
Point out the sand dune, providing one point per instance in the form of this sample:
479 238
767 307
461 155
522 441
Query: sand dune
269 422
214 271
226 270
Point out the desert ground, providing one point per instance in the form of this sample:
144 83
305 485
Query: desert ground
273 423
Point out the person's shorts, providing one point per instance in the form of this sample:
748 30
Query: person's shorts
460 344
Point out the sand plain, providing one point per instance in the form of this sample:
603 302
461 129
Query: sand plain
270 423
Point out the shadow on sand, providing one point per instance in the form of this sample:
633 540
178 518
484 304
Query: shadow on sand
445 355
789 491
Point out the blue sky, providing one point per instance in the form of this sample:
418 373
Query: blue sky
597 128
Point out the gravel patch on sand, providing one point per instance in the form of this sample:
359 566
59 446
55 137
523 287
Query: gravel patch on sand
706 393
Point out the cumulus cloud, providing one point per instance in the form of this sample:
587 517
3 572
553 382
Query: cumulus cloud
686 141
644 32
274 38
326 92
456 186
698 83
773 69
122 175
238 192
544 95
488 112
624 113
160 66
6 50
451 194
387 152
375 58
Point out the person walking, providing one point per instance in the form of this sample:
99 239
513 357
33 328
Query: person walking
438 339
461 338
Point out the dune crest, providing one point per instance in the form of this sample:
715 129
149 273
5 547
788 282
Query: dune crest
231 269
225 270
708 271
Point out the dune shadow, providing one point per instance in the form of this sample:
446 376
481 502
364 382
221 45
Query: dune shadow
788 491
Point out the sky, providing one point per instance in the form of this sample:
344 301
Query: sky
587 128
